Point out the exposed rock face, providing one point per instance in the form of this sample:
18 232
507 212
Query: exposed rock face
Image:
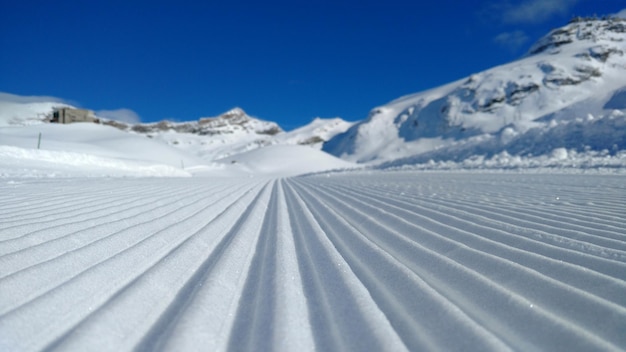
227 123
581 29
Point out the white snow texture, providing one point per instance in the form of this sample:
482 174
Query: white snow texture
485 215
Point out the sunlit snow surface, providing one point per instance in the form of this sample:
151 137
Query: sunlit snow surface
107 242
358 261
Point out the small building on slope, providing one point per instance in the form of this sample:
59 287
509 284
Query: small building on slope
71 115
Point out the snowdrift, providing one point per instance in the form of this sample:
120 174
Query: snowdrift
286 160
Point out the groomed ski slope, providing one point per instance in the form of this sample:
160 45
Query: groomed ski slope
357 261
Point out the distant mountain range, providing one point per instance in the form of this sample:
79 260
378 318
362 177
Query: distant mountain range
235 132
211 138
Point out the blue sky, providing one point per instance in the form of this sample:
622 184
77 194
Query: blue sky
284 61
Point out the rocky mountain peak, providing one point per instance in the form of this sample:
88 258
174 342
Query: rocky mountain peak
591 30
235 116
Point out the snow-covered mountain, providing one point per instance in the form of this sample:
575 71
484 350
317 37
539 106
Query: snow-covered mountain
114 148
210 138
574 72
234 132
315 133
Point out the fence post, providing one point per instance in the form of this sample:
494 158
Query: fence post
39 141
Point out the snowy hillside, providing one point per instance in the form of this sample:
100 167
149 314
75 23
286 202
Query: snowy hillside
209 138
165 148
212 138
315 133
236 132
285 160
573 72
87 149
16 110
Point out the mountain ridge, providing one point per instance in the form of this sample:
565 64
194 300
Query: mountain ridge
211 138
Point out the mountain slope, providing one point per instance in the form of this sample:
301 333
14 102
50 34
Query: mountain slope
235 132
154 149
212 138
574 71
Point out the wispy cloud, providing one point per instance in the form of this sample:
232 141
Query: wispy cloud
12 98
530 11
511 40
122 115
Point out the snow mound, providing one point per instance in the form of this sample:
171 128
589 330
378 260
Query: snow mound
88 149
315 133
588 142
285 161
96 140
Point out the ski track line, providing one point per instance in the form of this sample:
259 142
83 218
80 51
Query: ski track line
53 213
53 202
520 205
610 249
574 275
117 227
39 232
64 312
160 296
602 235
335 262
529 216
197 319
344 316
276 318
386 281
39 279
484 267
40 236
610 240
583 217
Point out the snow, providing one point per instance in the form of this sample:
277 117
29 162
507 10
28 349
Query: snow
86 149
286 160
575 71
233 144
22 162
468 229
584 143
381 260
32 113
228 138
315 133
